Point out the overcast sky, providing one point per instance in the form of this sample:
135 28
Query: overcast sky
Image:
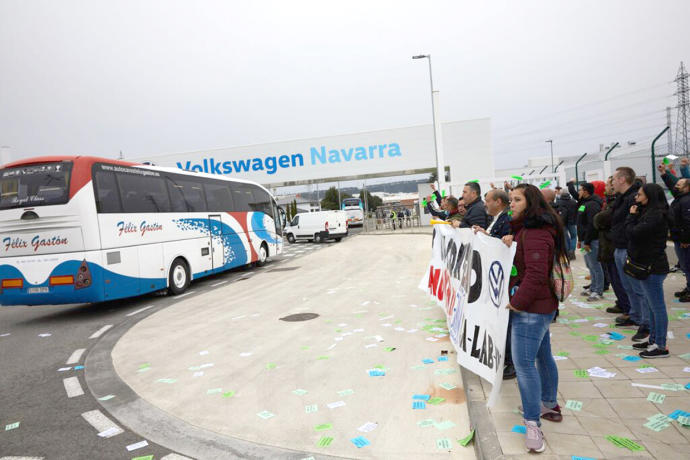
155 77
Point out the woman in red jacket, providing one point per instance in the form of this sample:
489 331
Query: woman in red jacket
539 235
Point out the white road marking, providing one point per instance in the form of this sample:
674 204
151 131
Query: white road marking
72 387
103 425
218 284
75 356
186 293
139 311
100 332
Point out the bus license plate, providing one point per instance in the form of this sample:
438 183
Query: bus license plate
38 290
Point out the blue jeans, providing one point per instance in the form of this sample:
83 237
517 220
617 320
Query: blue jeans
653 288
536 369
595 270
684 261
639 312
618 289
571 237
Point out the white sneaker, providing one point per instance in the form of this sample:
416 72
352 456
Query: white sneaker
534 438
594 297
586 293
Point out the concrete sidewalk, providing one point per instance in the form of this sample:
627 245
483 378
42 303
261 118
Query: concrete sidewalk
609 406
227 363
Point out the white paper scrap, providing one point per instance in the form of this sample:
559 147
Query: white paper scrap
600 325
137 445
371 345
110 432
358 330
647 370
245 354
202 353
335 404
63 369
559 358
44 335
203 366
386 325
378 338
402 329
412 330
432 339
642 385
367 427
198 374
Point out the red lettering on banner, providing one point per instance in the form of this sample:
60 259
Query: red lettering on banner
433 279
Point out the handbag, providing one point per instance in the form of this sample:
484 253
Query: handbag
635 270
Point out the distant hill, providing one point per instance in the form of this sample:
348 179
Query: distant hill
392 187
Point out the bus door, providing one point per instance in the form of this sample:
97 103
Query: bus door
216 236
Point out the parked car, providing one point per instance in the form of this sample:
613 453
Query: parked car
317 226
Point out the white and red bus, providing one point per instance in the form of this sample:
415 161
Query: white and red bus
85 229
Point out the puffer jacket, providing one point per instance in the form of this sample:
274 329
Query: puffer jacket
647 231
531 289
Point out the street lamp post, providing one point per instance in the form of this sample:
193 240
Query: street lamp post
551 143
440 170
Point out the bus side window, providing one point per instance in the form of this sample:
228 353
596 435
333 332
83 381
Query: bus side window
186 196
107 194
242 197
262 201
218 196
143 193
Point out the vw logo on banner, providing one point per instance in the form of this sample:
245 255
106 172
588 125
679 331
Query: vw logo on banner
496 279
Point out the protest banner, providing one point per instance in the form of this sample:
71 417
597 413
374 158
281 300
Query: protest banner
468 277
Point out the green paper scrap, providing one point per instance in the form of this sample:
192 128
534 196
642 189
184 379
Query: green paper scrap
417 367
624 443
338 330
590 338
513 271
683 420
474 180
582 373
581 208
574 325
389 349
228 394
672 386
443 443
12 426
320 358
214 391
444 425
517 177
545 184
266 414
271 366
666 160
657 425
574 333
645 366
106 398
443 193
573 405
656 397
660 418
300 392
304 347
436 400
346 392
448 386
424 203
323 427
563 353
324 442
145 365
466 440
433 196
445 371
310 409
601 352
380 366
145 457
166 380
685 356
426 423
625 347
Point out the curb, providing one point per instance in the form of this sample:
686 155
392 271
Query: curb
486 443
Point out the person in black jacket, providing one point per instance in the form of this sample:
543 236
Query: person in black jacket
680 230
589 206
647 229
566 207
625 185
475 213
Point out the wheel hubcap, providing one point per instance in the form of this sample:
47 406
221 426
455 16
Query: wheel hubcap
262 254
179 276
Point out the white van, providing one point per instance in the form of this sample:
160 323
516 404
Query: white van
317 226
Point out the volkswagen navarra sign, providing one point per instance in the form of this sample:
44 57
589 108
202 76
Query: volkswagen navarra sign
373 153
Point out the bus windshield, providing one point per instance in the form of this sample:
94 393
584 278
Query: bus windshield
35 185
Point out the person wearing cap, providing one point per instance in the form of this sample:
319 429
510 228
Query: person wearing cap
590 205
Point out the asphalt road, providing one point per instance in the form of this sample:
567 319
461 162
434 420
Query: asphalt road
33 390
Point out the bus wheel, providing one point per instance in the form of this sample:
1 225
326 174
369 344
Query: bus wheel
263 255
317 238
291 238
179 277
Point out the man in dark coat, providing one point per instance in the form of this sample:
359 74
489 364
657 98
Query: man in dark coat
680 230
475 213
588 236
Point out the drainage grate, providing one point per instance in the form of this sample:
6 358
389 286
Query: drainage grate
299 317
282 269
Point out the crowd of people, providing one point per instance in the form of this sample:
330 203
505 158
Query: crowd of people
621 227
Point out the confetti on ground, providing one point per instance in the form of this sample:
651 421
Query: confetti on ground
229 394
632 358
335 404
323 427
678 413
519 429
436 401
445 371
624 443
137 445
360 442
376 373
12 426
426 423
324 442
214 391
573 405
166 380
389 349
106 398
448 386
672 386
266 414
300 392
443 443
428 361
145 457
310 409
346 392
368 427
656 397
444 425
580 373
271 365
418 405
421 397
